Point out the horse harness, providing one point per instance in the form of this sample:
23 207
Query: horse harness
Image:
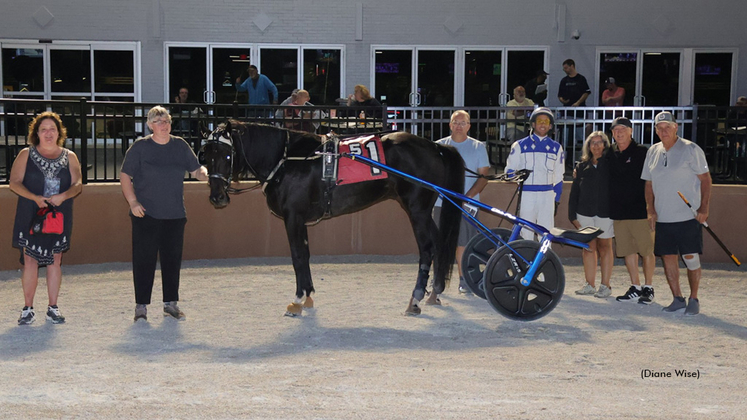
328 150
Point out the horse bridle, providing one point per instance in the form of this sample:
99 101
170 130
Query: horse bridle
222 140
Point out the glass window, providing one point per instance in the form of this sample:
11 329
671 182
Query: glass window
436 78
321 75
114 71
228 64
23 70
661 78
281 67
622 67
393 76
187 69
482 77
712 79
70 70
523 67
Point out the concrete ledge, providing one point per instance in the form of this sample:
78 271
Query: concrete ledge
102 231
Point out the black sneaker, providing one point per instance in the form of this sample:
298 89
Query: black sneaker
630 295
53 314
647 296
27 316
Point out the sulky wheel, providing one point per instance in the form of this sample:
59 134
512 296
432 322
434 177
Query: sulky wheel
475 257
503 287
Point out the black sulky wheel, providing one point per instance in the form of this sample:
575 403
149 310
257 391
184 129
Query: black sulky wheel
503 287
475 257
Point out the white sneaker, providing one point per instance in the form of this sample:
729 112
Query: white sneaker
603 292
586 290
28 316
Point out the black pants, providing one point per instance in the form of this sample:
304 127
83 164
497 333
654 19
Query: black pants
152 238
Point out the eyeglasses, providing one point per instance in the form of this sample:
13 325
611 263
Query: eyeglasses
460 124
159 122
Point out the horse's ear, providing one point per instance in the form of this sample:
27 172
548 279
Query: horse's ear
228 126
204 131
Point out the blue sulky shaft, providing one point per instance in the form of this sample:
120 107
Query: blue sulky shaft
546 237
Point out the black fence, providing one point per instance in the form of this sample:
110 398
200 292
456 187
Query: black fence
100 132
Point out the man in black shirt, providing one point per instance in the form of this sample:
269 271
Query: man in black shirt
633 235
531 88
574 89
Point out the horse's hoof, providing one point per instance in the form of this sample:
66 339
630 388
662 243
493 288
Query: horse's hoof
412 309
294 309
308 303
433 300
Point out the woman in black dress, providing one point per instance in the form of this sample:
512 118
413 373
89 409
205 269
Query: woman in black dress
43 174
589 205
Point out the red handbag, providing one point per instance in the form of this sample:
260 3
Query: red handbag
47 221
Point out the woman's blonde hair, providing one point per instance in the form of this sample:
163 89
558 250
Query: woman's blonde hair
365 93
585 152
158 111
36 122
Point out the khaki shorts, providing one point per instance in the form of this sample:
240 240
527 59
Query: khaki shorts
633 236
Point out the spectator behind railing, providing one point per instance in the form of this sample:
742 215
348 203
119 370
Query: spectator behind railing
614 95
517 130
297 118
361 97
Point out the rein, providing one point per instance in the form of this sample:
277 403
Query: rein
262 182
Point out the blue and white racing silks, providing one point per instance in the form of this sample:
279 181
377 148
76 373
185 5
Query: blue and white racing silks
544 157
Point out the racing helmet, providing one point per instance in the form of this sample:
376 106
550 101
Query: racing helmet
542 111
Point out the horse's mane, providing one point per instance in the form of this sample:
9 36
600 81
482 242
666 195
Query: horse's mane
300 143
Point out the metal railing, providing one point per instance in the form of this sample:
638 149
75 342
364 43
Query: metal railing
101 132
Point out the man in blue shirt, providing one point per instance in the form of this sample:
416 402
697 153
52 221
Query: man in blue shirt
261 90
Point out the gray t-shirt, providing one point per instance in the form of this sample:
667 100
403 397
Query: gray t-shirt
157 173
673 170
475 156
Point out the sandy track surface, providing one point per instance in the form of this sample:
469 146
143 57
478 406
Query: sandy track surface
357 357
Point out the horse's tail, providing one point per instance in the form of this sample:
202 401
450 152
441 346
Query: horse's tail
450 219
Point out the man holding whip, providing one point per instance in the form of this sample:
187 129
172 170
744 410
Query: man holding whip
677 165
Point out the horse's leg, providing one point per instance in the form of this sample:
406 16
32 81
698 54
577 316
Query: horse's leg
425 234
299 245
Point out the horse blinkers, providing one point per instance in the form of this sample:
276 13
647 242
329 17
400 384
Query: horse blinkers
219 156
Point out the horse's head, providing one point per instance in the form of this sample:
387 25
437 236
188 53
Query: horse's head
219 155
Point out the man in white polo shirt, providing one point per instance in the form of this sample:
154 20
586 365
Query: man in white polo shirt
677 165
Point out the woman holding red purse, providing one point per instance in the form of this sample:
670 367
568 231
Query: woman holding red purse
44 174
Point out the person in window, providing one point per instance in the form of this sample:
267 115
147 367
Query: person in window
614 95
589 205
361 97
536 89
187 124
152 179
261 90
296 118
574 89
515 128
44 174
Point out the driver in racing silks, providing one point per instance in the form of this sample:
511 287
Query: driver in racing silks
546 159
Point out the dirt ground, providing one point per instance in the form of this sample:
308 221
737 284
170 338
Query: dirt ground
357 357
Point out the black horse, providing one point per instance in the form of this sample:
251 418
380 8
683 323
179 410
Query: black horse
290 172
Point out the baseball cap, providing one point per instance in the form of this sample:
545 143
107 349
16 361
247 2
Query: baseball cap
541 73
622 121
609 80
664 116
